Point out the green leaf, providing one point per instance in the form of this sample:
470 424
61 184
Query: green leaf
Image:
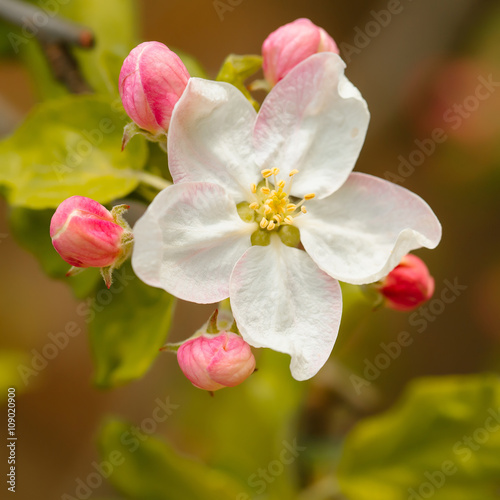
442 440
247 428
149 469
31 230
236 69
68 147
128 324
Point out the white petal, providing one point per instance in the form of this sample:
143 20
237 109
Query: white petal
361 232
189 240
282 300
315 121
210 138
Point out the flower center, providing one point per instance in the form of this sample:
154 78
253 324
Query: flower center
273 205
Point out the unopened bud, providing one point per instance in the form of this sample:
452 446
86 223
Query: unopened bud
212 362
86 234
291 44
152 80
408 285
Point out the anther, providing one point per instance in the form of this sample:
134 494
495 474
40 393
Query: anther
281 184
309 196
288 220
265 190
291 207
254 205
263 223
303 209
293 172
275 171
271 225
253 187
266 173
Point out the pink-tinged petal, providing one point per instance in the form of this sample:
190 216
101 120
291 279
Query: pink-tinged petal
327 43
81 203
152 79
233 363
210 138
362 231
164 78
194 357
188 241
288 46
408 285
291 44
212 362
282 300
84 233
315 121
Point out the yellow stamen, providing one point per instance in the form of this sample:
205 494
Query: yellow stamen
293 172
291 207
266 173
263 223
288 220
254 205
275 171
281 184
309 196
265 190
303 209
253 187
271 226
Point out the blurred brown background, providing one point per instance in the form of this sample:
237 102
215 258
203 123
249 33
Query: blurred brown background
412 72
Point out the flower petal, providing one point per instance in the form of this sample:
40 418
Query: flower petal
188 241
362 231
282 300
210 138
315 121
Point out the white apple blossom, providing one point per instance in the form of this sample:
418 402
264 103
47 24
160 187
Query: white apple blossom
245 183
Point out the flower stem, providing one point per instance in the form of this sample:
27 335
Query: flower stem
152 180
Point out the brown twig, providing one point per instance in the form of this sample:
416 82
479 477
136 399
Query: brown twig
45 25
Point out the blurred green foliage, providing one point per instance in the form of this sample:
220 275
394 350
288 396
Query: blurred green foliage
149 469
442 440
70 146
128 324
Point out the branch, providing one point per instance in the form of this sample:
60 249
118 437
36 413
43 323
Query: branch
46 26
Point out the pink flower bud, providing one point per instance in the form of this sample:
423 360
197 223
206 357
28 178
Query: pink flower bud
212 362
291 44
85 234
408 285
152 80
